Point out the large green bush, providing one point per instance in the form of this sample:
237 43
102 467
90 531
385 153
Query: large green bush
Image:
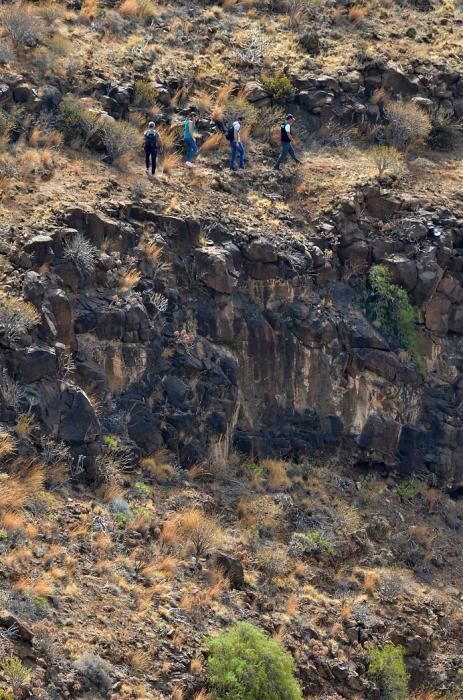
389 305
245 664
279 86
387 670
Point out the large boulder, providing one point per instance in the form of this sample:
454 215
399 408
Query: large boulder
63 410
403 270
437 314
215 269
33 363
399 83
143 428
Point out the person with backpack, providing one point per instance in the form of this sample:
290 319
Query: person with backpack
233 135
190 139
287 141
152 145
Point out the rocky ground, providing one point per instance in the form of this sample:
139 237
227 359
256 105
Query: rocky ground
207 414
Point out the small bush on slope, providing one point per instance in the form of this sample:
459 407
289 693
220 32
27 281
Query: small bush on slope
245 664
387 670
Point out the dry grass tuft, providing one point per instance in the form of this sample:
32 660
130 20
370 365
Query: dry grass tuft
196 666
356 15
7 444
17 488
278 478
192 526
129 279
213 142
25 424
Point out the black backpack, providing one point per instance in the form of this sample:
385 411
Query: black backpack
230 135
151 138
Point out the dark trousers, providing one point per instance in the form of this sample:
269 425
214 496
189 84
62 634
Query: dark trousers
151 153
286 150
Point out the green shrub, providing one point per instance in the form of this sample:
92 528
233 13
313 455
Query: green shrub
410 487
387 670
254 470
279 86
6 695
77 121
389 305
144 94
245 664
16 673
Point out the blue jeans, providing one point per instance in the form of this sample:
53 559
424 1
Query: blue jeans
286 150
191 150
237 148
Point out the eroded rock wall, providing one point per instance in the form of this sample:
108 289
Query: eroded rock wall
246 341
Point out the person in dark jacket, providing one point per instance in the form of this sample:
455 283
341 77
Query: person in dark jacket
287 141
152 145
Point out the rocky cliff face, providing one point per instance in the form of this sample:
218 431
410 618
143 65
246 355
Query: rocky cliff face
235 341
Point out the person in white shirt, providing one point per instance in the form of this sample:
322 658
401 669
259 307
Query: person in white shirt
287 141
237 146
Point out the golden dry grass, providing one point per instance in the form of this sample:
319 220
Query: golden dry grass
278 477
7 444
129 279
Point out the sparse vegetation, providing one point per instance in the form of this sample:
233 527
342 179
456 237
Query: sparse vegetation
120 138
386 159
81 252
244 664
21 24
144 94
409 124
6 52
17 317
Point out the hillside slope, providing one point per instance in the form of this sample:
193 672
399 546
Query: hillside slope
230 396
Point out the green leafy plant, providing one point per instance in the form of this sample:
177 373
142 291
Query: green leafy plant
387 669
410 487
145 489
389 305
6 695
254 470
111 442
14 670
245 664
279 86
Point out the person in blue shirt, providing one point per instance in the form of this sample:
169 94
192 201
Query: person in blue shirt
189 135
